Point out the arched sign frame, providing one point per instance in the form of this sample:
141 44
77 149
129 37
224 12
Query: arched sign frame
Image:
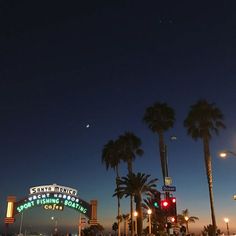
55 196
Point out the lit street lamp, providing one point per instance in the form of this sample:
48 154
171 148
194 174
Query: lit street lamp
186 220
149 211
225 153
227 224
135 216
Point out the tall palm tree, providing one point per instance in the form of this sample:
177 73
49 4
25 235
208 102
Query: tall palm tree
136 185
111 158
202 121
159 118
184 218
130 147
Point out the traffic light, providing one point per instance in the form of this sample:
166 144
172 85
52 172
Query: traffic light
155 204
168 207
172 209
156 199
165 204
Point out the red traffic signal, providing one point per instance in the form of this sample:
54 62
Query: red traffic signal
164 204
168 206
173 199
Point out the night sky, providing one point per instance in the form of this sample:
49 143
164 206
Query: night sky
64 65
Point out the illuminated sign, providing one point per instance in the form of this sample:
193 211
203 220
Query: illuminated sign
53 207
10 208
53 188
53 199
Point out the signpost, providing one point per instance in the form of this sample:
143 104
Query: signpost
168 181
168 188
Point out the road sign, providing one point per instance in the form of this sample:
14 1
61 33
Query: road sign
168 188
168 181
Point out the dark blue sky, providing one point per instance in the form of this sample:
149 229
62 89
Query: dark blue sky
66 64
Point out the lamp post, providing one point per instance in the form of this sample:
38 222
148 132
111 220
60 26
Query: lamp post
135 216
186 220
21 222
224 154
227 224
149 211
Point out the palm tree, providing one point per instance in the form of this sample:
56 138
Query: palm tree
136 185
209 230
93 230
184 218
202 121
111 158
159 118
115 226
129 146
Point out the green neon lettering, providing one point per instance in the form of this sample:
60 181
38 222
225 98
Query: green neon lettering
25 206
75 206
47 201
20 208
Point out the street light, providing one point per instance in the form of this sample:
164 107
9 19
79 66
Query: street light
149 211
227 224
21 222
135 216
225 153
186 219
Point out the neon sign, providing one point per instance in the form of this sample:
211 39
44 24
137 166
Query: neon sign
53 198
53 207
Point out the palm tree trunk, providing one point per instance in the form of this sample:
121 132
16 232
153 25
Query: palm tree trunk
162 155
118 201
119 213
187 229
130 171
132 215
140 215
209 180
124 220
126 225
